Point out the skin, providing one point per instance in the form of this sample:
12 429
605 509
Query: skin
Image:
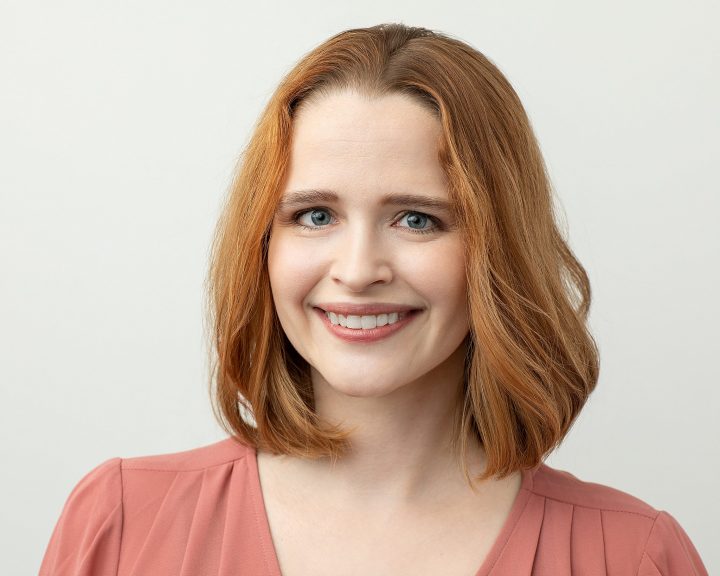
397 394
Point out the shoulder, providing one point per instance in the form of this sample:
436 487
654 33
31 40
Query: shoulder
87 533
562 486
627 532
176 479
118 500
218 453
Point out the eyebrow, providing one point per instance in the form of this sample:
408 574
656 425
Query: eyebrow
313 195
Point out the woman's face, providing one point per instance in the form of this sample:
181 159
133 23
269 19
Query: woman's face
359 242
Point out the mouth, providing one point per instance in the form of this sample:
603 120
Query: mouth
366 321
368 327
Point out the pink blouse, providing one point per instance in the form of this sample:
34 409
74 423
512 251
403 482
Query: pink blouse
201 512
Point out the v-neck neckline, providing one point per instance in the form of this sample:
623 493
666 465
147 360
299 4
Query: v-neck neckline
501 541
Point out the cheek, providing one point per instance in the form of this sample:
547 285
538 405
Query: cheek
440 276
290 271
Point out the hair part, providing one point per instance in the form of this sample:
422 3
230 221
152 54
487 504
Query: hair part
531 363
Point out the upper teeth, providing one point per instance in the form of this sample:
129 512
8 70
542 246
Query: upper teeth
364 322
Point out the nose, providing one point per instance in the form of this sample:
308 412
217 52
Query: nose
360 260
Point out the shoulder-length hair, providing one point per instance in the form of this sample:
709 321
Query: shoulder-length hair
531 361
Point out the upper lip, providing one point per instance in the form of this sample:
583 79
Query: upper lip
348 308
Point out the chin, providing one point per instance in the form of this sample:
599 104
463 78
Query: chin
362 387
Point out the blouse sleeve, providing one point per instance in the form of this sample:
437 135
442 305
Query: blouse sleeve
669 551
86 538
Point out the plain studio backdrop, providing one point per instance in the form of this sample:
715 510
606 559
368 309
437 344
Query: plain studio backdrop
120 125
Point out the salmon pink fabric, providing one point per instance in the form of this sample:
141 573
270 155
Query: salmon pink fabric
201 513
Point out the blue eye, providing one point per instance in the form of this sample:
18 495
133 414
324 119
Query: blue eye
320 218
419 219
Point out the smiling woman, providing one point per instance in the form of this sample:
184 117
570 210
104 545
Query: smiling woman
401 339
367 252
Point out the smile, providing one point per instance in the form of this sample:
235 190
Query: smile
364 322
365 328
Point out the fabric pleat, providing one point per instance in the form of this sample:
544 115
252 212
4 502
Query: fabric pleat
553 547
587 544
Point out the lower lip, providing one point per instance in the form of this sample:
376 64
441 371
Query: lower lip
369 335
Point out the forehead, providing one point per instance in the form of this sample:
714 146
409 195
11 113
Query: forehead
353 142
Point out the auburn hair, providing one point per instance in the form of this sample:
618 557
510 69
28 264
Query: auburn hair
531 361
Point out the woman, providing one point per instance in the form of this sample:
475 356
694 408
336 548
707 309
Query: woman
401 339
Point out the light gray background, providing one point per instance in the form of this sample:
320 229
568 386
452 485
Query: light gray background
120 125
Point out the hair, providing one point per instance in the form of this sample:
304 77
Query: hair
531 361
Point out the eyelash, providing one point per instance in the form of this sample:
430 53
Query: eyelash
437 224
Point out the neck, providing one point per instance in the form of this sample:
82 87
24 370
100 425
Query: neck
401 452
